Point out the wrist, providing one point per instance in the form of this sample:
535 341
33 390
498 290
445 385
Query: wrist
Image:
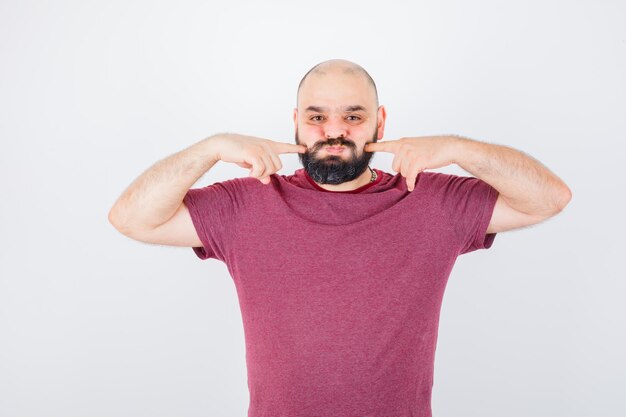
458 147
208 149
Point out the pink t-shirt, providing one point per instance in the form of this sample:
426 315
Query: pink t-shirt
340 292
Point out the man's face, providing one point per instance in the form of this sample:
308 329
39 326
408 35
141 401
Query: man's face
336 110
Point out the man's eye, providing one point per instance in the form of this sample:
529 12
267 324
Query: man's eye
356 117
313 118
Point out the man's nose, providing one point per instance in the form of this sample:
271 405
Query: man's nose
335 128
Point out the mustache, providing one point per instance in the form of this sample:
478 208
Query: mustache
333 142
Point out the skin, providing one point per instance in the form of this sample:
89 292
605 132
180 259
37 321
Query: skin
332 90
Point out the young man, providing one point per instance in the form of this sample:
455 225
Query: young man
340 269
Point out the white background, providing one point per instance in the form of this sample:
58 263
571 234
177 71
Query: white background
93 93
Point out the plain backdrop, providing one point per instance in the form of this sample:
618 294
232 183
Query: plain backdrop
93 323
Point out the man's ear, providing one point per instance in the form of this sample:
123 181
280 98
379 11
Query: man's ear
295 117
382 116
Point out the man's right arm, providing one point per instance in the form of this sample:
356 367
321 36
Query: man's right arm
151 209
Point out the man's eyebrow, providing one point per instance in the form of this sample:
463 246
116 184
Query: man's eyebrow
347 109
356 107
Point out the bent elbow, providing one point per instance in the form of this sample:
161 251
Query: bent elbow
566 197
562 199
116 220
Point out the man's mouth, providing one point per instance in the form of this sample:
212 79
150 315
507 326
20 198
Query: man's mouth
334 149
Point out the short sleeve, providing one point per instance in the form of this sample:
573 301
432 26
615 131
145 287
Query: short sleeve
214 210
470 202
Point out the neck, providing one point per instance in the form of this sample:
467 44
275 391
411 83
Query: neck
359 181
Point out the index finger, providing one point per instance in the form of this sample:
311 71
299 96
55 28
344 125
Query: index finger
381 146
283 147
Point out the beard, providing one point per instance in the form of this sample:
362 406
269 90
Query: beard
335 169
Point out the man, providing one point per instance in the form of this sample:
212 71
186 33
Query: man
340 269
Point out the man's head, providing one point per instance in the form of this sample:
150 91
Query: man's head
337 106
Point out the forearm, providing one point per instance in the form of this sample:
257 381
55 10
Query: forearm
526 184
153 197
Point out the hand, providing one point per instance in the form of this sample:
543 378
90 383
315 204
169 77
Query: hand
414 155
261 155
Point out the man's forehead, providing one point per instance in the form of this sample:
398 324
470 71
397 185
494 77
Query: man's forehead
337 98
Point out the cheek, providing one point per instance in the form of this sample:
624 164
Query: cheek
309 136
311 131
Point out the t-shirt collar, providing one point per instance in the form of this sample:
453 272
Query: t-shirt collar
379 176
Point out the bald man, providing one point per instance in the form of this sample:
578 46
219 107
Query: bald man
340 268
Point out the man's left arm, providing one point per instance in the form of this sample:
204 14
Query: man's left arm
529 192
